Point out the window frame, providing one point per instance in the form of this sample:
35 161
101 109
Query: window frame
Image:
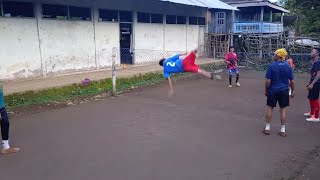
68 17
2 13
115 21
221 18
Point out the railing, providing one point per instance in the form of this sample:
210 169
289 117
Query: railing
257 27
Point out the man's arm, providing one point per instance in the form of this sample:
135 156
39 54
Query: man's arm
226 59
267 85
315 80
268 81
292 85
291 82
170 90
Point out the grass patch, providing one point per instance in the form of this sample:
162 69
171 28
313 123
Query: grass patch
94 88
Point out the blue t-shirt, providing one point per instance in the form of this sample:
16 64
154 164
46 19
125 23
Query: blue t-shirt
172 65
279 73
314 70
2 104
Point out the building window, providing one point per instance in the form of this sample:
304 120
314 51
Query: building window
17 9
125 16
197 21
193 20
157 18
201 21
64 12
54 12
221 18
108 15
171 19
144 17
79 13
181 20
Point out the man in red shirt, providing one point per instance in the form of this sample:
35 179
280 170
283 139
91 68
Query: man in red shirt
231 61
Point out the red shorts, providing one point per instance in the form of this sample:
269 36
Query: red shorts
188 64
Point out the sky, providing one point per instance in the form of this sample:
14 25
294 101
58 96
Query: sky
273 0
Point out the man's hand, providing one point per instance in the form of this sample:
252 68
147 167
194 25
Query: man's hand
170 92
310 86
266 94
292 94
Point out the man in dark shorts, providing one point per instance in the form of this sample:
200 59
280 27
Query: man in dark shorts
314 87
178 64
278 78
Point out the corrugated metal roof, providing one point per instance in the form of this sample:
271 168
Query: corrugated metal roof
216 4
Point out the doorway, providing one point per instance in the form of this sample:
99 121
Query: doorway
126 49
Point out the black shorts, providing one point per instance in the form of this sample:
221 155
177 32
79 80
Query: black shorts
281 97
314 92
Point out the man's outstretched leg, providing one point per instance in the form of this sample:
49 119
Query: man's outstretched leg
205 73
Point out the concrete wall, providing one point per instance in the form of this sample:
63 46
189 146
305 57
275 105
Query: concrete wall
107 37
149 42
34 46
176 37
66 46
19 48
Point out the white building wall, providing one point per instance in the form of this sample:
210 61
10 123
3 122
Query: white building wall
19 48
149 42
107 37
175 37
192 37
67 46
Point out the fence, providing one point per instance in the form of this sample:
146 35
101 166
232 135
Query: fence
255 51
137 62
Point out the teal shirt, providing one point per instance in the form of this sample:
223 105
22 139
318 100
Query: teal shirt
2 105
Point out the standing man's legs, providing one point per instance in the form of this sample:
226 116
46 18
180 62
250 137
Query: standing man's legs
283 99
268 120
313 97
271 103
4 128
283 103
6 149
283 122
237 78
230 71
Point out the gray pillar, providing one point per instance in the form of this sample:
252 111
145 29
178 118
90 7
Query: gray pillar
261 14
270 16
95 18
38 16
282 14
232 26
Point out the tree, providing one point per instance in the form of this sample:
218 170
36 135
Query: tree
307 13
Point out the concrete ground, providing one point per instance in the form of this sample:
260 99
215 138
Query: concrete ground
205 131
